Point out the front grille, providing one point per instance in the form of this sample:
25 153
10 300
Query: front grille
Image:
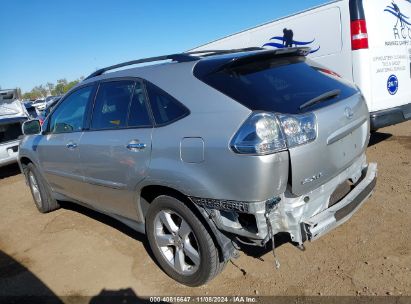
339 193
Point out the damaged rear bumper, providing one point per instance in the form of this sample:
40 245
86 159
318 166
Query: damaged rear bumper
338 214
305 217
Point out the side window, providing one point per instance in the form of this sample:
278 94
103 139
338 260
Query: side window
69 116
165 108
111 106
139 116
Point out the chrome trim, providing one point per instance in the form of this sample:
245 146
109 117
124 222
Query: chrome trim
343 132
135 146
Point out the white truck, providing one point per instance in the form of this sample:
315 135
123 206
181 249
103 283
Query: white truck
12 115
367 42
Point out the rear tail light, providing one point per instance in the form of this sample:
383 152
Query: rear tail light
259 135
267 133
299 129
359 35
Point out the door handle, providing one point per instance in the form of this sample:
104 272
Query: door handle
71 146
136 146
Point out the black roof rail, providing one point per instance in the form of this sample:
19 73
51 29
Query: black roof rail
176 57
182 57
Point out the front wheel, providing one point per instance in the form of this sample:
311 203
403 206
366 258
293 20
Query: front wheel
180 243
40 190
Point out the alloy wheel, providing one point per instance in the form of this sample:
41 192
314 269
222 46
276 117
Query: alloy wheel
177 242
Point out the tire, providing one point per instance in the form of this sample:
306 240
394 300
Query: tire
40 190
168 221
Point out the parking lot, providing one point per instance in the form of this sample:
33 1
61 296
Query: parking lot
77 252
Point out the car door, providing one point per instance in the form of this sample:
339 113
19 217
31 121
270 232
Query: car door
58 149
115 151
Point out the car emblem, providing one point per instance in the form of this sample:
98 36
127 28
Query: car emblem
349 113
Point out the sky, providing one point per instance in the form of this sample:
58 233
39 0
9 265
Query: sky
45 40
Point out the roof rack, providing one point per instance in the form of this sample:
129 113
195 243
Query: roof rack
182 57
175 57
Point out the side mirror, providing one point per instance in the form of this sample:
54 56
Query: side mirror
31 127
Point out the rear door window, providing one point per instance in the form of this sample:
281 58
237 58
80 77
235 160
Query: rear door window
279 84
166 109
112 105
138 114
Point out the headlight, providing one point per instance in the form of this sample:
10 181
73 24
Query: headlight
267 133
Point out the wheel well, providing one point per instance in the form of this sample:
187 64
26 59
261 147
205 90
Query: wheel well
149 193
24 163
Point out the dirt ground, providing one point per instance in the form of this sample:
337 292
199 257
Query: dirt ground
77 252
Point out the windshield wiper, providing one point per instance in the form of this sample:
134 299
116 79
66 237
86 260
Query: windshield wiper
322 97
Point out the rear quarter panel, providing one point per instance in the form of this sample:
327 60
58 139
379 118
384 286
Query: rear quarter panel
222 174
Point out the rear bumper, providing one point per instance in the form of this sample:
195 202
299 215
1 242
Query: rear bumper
305 217
320 224
9 152
390 117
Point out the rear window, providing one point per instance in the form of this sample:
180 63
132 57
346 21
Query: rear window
165 108
280 84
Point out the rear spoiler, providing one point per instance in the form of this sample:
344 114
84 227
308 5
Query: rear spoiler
212 65
267 54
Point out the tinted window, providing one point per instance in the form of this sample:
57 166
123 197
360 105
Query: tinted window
69 116
165 108
139 116
111 106
280 84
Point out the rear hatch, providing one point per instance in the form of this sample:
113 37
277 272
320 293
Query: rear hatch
389 38
284 83
342 137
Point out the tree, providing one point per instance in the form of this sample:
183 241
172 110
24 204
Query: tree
59 88
50 87
31 95
40 91
70 85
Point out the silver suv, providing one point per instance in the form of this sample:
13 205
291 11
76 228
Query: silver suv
207 152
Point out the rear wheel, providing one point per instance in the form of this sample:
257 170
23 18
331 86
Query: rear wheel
40 191
181 244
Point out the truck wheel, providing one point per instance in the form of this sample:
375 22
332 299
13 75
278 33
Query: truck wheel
40 191
180 243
